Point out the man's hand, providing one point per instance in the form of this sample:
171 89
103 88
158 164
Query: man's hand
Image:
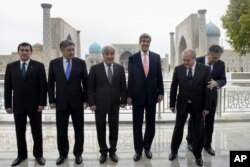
9 110
205 112
85 105
93 108
211 84
52 105
172 109
129 101
160 98
40 108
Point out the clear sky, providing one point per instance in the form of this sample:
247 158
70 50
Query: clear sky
104 21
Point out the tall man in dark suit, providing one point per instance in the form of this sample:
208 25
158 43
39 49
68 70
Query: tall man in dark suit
145 89
193 98
106 94
67 83
25 82
218 80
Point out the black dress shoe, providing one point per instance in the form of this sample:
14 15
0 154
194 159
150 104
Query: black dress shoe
199 161
148 154
103 158
137 157
172 156
60 160
78 159
40 160
113 157
209 150
190 147
18 160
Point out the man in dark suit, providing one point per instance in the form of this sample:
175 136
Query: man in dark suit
193 98
218 80
67 83
145 89
106 94
25 94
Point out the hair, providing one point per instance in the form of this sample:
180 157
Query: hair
215 50
65 43
24 44
144 35
191 51
108 48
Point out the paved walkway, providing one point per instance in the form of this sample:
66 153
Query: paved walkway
228 136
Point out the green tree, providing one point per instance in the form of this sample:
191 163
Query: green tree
236 21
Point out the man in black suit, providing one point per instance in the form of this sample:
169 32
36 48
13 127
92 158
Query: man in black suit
193 98
25 82
67 83
145 89
106 94
218 80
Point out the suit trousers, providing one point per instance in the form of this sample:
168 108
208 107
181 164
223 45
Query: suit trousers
36 130
113 123
62 121
145 142
209 126
198 131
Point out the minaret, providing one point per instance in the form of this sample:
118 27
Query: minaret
172 50
46 34
78 44
202 32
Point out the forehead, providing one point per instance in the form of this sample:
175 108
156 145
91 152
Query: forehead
24 48
69 47
145 39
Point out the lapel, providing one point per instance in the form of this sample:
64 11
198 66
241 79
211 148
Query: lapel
184 75
197 73
17 68
151 63
103 72
115 71
61 69
29 69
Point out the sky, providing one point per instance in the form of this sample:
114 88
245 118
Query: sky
105 21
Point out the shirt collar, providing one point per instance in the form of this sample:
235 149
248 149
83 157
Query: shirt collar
108 65
27 61
142 53
66 60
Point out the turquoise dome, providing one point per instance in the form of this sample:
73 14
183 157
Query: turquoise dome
95 48
212 30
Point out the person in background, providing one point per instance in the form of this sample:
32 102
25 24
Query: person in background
218 80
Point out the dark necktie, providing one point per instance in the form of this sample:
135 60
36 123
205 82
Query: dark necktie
67 72
23 70
110 74
210 67
190 77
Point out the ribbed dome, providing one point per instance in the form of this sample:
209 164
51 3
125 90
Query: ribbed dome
212 30
95 48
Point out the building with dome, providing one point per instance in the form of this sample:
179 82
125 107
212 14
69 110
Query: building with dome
193 32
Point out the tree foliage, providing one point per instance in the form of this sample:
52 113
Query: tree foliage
236 21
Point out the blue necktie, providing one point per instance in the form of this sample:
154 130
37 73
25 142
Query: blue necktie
68 69
23 70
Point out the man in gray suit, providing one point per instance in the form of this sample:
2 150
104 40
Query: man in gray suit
106 94
193 98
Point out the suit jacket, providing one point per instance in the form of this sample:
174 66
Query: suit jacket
101 93
218 74
69 93
198 93
28 92
140 86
